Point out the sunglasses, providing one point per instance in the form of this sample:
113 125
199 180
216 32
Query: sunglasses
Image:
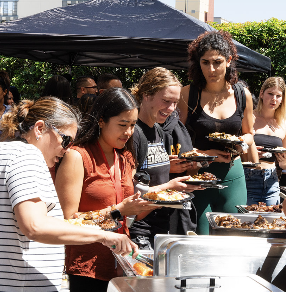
67 140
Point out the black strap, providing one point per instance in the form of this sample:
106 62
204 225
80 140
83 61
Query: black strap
240 97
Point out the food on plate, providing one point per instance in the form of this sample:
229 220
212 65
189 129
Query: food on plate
166 195
279 148
206 176
142 269
193 153
230 221
225 136
93 219
261 207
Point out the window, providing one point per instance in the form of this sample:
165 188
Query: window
193 11
8 8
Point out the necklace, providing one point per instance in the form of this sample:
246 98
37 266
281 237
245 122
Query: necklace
271 123
216 97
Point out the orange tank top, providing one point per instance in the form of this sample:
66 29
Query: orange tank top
98 192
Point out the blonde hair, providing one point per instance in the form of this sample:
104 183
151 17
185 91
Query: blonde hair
280 112
53 111
153 81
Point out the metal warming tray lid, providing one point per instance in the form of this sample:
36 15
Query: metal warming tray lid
177 256
247 283
267 233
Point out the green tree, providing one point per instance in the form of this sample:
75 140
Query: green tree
267 38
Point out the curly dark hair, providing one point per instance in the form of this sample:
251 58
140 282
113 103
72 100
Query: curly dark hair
219 41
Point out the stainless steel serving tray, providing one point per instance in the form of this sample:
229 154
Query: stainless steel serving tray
242 209
266 233
247 283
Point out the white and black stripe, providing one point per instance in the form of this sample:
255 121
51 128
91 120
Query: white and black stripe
25 265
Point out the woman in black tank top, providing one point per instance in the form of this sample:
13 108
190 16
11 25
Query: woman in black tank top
209 105
269 132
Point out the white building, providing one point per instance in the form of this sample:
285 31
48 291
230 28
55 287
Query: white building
14 9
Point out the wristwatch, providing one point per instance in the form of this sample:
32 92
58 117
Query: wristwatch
116 215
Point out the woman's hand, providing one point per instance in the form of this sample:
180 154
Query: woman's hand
222 156
120 244
281 158
134 205
179 165
179 185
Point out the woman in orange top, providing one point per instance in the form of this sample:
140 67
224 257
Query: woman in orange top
96 174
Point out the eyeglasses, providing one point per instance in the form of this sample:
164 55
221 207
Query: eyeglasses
67 140
94 87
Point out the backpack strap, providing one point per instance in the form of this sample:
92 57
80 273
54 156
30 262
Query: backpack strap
160 131
240 97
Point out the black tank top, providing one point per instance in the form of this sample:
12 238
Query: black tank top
268 141
203 125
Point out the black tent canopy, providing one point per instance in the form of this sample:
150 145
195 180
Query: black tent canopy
113 33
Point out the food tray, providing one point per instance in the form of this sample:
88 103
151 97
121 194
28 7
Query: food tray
117 226
208 183
273 150
265 233
199 158
224 141
188 197
242 209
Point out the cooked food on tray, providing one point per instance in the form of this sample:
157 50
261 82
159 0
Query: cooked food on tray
229 221
206 176
165 195
193 153
261 207
142 269
93 219
225 136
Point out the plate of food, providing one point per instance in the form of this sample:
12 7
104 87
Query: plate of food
193 155
225 138
166 197
94 219
260 208
205 178
274 150
250 164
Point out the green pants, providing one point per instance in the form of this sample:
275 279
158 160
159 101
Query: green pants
224 200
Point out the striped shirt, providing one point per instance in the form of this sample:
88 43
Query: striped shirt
26 265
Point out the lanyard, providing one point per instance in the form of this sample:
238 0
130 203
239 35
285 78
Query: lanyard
116 178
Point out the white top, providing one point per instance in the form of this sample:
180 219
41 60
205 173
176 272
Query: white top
26 265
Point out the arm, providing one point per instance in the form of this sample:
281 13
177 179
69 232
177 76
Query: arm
34 223
69 182
183 104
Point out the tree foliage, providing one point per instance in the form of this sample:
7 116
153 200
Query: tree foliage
267 38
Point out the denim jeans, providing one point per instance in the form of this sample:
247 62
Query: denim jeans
262 186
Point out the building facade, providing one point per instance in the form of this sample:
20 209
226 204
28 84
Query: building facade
14 9
200 9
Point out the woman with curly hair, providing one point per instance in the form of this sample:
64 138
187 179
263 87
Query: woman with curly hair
213 103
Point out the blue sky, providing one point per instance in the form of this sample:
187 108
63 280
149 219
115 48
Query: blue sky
246 10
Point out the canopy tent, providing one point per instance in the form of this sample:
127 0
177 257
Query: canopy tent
113 33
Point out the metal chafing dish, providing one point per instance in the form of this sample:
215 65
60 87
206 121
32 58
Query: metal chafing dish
267 233
250 283
231 260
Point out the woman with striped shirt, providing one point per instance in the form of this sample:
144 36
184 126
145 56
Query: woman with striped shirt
33 232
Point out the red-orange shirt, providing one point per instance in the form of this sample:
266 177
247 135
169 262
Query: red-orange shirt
98 192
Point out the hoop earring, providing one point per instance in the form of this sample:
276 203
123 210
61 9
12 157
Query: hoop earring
98 131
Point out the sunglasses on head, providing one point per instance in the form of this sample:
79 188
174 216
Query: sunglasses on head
67 140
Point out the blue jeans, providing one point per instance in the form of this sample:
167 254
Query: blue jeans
262 186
